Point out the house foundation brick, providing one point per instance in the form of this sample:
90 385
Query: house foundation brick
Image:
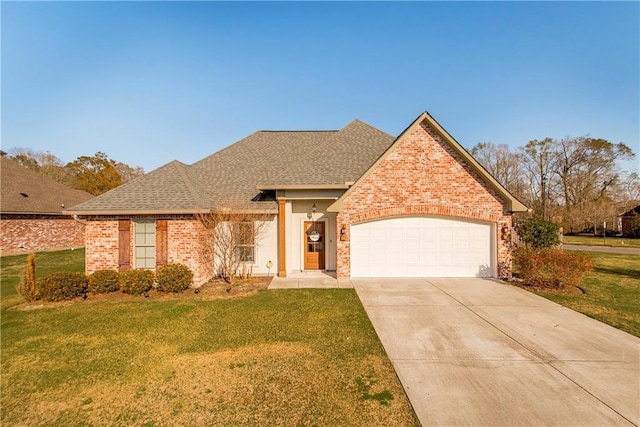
423 175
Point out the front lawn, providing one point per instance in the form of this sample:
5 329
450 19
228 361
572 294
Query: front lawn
612 292
288 357
620 242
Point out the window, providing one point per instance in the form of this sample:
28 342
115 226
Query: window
145 244
245 237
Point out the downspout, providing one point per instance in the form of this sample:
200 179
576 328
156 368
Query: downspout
75 218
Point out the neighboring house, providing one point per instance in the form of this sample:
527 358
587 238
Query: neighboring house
32 211
629 222
356 201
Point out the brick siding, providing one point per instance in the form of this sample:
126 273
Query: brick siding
29 233
184 247
101 245
423 175
184 237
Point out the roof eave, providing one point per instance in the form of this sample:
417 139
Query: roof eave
262 187
114 212
59 213
157 212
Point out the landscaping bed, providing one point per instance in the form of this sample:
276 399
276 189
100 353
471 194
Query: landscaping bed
212 290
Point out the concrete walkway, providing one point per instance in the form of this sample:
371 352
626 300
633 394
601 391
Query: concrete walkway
310 279
606 249
476 352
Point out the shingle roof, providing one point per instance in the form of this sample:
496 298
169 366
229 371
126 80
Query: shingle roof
23 191
169 189
231 177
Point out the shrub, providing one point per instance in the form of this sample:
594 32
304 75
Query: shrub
135 282
61 285
537 233
174 278
103 281
27 284
551 267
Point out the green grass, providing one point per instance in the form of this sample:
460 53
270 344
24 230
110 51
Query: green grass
11 268
288 357
612 292
600 241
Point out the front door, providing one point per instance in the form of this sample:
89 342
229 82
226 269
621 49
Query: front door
314 245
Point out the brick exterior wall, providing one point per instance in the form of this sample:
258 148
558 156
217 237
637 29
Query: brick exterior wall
101 245
29 233
423 175
183 246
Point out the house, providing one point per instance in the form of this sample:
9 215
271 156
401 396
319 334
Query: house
356 201
32 211
629 222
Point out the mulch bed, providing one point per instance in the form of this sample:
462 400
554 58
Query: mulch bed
212 290
571 290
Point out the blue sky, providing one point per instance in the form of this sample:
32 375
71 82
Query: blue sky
149 82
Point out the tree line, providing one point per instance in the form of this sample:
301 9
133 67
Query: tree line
577 183
95 174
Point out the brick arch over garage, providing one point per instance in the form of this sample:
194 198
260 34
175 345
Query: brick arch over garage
411 210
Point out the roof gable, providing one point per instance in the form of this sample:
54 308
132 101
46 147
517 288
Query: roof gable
513 204
24 191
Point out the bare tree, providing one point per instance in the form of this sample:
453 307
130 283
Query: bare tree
588 174
229 241
504 165
539 157
43 162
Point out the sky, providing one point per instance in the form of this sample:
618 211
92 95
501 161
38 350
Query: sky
150 82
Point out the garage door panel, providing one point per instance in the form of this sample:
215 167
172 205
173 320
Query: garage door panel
421 247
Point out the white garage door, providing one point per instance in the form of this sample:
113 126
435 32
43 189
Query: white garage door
421 247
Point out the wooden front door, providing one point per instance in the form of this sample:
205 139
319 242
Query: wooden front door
314 245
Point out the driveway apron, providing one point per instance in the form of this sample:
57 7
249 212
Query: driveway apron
479 352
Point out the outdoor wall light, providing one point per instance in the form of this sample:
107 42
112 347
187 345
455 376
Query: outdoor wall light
505 233
343 230
313 208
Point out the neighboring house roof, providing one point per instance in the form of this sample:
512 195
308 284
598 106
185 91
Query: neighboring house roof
513 204
232 177
631 212
24 191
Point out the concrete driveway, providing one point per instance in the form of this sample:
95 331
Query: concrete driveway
477 352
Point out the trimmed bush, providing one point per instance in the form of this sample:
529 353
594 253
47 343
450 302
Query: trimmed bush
103 281
62 285
135 282
537 233
174 278
551 268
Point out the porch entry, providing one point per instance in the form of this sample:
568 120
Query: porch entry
314 245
